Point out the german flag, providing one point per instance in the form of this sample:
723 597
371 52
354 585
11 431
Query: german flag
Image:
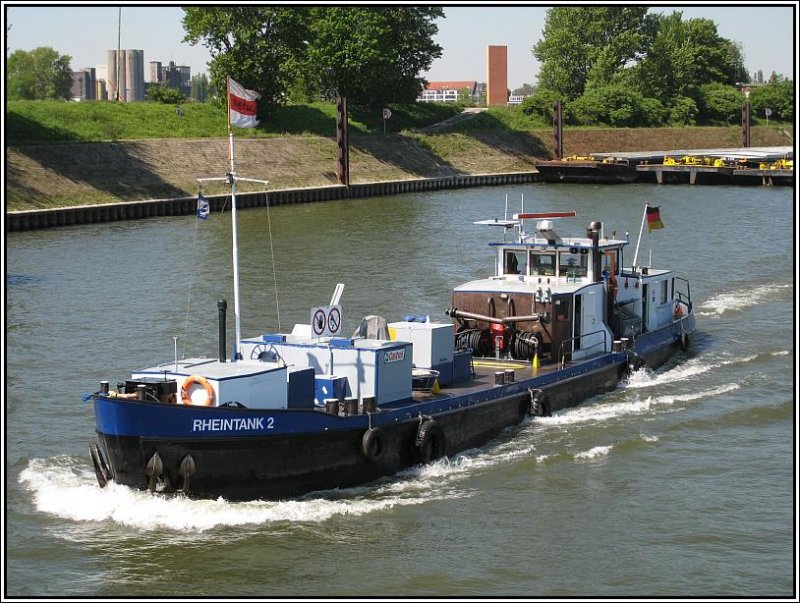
654 219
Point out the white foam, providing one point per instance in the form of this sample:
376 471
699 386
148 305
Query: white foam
594 453
605 411
737 300
64 492
645 377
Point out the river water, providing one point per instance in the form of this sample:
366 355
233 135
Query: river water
678 484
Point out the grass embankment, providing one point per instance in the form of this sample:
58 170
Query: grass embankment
61 154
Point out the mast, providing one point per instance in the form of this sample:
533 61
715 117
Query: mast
639 240
231 179
237 355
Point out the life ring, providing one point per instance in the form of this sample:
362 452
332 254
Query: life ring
201 381
678 310
373 445
430 442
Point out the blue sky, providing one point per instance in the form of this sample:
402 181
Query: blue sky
766 34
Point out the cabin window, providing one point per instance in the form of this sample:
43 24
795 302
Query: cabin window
572 263
610 262
664 292
543 264
514 262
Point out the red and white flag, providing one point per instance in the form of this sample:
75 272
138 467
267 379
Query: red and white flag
242 105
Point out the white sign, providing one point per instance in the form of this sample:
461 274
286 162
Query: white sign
394 356
326 321
387 113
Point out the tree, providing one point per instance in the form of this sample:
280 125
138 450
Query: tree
260 47
199 88
619 106
372 55
720 103
524 90
39 74
579 44
162 93
686 55
778 96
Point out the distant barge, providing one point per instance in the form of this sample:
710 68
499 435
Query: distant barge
767 166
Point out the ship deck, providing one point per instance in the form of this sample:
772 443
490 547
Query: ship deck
484 376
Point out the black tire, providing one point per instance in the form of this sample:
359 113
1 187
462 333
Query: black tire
635 363
430 442
684 342
540 404
373 445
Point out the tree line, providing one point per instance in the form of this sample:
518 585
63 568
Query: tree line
608 65
623 66
371 55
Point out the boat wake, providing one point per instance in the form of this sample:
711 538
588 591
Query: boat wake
62 488
645 378
740 300
606 411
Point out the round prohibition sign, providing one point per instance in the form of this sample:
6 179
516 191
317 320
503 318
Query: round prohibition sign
319 322
334 320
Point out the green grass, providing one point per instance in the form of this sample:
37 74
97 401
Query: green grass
47 122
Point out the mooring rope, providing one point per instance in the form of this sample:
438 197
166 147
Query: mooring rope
272 255
191 283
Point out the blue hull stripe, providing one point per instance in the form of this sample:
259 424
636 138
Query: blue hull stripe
117 417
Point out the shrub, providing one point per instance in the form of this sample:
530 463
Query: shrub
720 103
619 106
683 112
778 96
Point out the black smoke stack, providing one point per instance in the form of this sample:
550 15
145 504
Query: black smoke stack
222 306
594 233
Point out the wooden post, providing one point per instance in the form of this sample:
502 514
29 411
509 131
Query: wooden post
746 124
558 142
342 143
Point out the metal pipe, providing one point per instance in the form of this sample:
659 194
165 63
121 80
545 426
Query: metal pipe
456 313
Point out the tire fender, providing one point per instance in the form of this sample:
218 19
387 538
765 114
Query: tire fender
373 445
430 441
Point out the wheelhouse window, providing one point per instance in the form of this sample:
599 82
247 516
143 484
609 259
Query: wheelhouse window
514 262
610 261
543 264
574 264
664 292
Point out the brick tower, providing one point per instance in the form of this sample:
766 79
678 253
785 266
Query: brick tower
496 75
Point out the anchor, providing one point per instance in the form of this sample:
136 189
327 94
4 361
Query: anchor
154 469
187 469
101 469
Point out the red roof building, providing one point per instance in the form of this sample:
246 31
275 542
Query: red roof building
447 92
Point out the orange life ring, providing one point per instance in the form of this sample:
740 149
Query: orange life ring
197 380
678 310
